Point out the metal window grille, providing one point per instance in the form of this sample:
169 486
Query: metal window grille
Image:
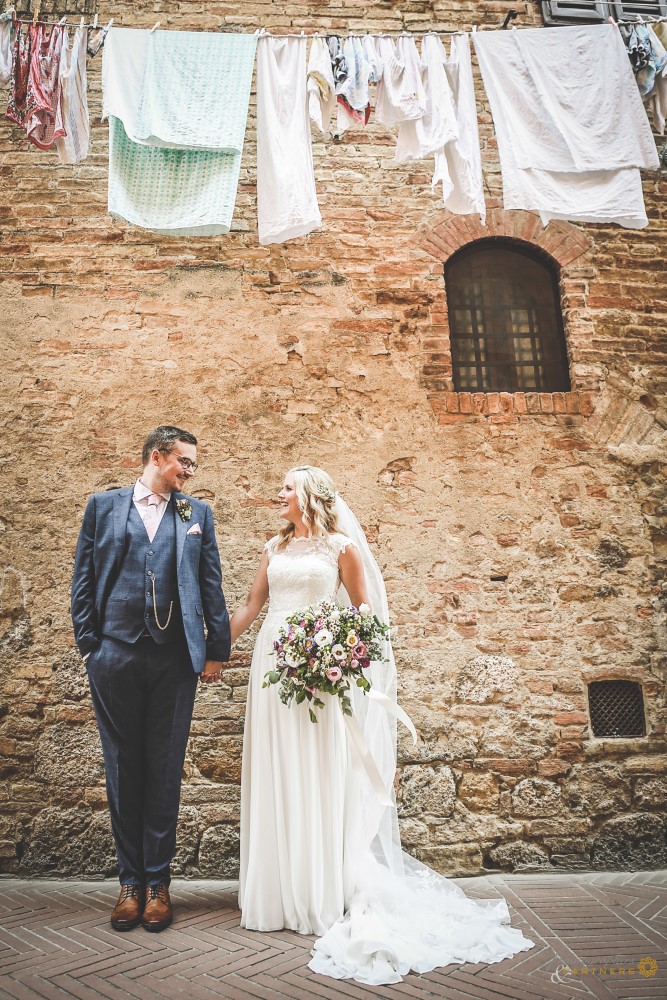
616 708
506 328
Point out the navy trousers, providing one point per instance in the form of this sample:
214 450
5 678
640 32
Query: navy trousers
143 695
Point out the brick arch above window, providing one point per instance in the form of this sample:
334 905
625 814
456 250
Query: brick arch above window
561 240
566 245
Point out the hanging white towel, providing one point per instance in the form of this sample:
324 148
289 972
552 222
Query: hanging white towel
175 151
286 197
459 164
422 137
400 93
73 147
5 47
570 124
321 85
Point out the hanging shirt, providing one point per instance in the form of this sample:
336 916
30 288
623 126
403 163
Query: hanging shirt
400 94
572 131
424 136
321 85
648 56
286 197
338 67
73 146
372 58
352 93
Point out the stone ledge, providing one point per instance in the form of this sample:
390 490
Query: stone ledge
450 407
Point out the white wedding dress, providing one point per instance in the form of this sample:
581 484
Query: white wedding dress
313 855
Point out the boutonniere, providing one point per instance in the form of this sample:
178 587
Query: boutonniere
184 508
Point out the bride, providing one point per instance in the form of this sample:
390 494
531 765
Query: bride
320 849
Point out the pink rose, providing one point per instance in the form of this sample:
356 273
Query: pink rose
355 664
359 651
334 674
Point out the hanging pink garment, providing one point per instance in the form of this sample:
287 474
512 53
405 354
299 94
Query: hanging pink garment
34 102
22 101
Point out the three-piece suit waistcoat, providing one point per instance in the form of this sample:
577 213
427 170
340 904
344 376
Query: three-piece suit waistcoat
129 610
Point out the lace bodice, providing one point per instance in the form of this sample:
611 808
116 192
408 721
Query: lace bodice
303 572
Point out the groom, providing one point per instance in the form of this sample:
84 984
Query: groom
146 579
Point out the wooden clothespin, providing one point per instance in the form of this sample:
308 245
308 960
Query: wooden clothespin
35 10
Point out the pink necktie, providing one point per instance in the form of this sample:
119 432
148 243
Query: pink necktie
152 520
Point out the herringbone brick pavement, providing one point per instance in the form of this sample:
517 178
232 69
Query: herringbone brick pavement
596 935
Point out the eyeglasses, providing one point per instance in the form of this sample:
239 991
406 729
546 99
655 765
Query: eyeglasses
185 463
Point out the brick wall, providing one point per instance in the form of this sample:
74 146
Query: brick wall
522 535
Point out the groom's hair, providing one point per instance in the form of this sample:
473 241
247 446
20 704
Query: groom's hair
163 438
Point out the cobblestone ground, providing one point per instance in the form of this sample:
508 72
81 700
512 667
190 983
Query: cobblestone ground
598 935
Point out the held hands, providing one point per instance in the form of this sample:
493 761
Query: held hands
211 672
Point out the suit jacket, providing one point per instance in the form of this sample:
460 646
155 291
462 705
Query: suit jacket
98 557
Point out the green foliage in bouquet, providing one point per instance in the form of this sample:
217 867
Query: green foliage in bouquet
323 650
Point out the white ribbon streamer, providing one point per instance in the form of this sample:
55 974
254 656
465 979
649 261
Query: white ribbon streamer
362 758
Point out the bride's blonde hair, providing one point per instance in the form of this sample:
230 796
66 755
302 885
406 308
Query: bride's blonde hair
316 496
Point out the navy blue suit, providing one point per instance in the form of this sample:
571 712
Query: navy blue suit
138 609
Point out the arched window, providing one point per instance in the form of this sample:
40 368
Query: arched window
505 322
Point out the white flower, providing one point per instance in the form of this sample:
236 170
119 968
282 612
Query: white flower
323 637
335 614
338 652
291 660
364 611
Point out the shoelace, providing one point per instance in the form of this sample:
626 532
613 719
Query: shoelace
157 892
129 891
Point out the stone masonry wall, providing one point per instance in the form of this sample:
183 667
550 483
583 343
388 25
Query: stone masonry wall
522 535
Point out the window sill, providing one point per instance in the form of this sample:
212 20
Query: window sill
452 407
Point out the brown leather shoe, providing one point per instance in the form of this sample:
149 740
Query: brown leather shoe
158 913
127 911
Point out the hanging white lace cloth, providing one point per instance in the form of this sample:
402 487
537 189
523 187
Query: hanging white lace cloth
571 128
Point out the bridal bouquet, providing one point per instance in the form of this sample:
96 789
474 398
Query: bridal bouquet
325 649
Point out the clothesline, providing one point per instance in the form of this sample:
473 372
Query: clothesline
172 176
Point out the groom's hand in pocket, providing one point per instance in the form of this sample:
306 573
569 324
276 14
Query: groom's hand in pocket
212 672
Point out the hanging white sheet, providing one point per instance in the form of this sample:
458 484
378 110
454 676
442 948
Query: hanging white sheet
286 197
571 128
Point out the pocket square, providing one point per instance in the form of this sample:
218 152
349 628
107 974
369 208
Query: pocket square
194 530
